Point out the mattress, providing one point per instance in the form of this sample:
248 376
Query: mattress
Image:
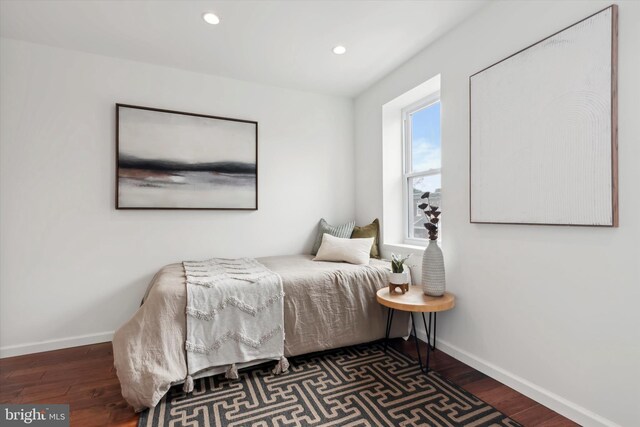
327 305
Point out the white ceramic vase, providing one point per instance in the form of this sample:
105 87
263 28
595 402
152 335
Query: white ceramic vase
399 278
433 283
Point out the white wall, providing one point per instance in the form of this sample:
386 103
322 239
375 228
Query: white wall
551 311
72 267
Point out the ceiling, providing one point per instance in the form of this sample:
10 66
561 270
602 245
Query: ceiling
282 43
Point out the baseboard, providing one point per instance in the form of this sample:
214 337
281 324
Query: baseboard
545 397
57 344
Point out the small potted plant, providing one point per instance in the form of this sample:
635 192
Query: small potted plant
398 276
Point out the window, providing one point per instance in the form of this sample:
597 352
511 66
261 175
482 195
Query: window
422 164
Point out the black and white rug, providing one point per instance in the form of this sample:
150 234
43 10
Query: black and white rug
354 386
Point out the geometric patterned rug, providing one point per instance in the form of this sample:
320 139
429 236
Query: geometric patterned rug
352 386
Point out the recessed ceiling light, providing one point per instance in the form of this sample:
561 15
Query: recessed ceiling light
211 18
339 50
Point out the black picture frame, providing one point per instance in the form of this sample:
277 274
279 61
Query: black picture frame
156 178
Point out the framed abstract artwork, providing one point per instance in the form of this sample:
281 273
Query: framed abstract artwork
543 130
175 160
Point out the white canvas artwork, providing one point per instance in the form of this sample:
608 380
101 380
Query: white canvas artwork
175 160
543 147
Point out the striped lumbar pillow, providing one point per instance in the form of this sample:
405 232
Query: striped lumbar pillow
343 231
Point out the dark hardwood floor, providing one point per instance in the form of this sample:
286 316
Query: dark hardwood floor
85 378
526 411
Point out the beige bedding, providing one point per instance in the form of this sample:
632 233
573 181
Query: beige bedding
327 305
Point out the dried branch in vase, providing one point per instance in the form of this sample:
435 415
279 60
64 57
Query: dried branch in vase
431 211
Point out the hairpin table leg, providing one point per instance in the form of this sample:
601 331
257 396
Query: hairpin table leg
435 319
427 330
388 330
424 369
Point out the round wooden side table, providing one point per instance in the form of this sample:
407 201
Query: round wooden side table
415 301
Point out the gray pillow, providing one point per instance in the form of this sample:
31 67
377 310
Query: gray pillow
343 231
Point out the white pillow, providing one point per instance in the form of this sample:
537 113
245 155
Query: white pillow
354 251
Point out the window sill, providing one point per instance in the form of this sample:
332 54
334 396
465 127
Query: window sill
407 246
404 247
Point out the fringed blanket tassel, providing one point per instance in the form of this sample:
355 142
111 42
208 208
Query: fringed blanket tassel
188 384
281 367
232 372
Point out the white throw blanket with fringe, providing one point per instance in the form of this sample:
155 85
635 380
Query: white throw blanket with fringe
234 315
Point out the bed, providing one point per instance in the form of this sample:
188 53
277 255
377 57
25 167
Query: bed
327 305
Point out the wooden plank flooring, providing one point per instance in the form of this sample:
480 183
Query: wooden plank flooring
526 411
85 378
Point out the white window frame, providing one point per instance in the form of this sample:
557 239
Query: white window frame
407 163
